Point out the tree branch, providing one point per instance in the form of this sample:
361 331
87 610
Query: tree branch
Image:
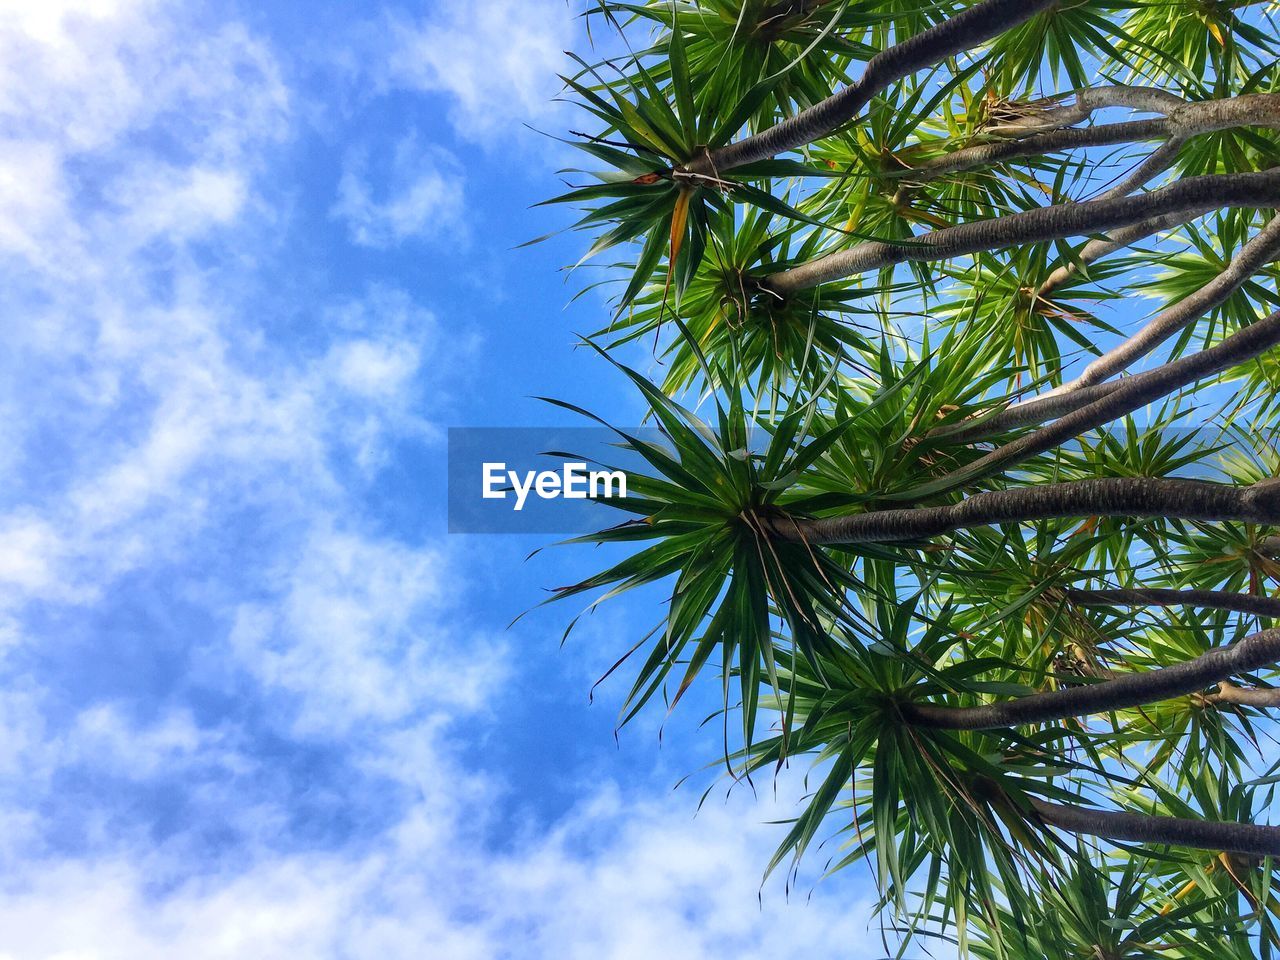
967 29
1258 650
1087 387
1160 597
1157 163
1261 250
1182 121
1247 838
1035 410
1056 222
1114 240
1090 99
1129 394
1260 697
1071 138
1109 496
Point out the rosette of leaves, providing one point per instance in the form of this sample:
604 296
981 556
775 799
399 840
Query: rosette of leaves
702 510
1060 43
1187 40
646 133
794 51
1208 250
1001 297
1120 910
896 412
1231 557
917 801
731 318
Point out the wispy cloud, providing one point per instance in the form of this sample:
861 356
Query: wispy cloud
497 62
242 714
420 196
616 881
345 634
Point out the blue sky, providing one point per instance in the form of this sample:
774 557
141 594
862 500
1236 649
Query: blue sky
254 260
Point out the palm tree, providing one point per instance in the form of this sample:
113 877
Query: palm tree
997 558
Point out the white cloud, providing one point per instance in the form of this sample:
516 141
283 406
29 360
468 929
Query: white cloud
423 197
52 23
25 737
179 202
105 739
496 61
617 880
177 438
32 194
28 548
374 369
83 75
346 636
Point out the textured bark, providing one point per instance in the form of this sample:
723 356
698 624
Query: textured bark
1110 496
1159 597
1114 240
1057 222
1261 250
1127 690
1150 168
1260 697
1130 394
1036 410
966 30
1071 138
1247 838
1181 121
1205 116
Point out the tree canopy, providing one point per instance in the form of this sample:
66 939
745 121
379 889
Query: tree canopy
964 320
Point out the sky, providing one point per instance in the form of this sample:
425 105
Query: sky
255 260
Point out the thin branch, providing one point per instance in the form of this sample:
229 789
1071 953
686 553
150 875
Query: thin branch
1071 138
1264 248
1160 597
1260 697
1182 121
1129 394
1257 253
1036 410
1254 652
1055 222
1108 496
967 29
1157 163
1114 240
1252 839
